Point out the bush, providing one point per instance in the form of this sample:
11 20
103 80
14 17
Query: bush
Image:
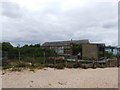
69 65
22 64
39 60
6 67
60 66
40 67
76 65
37 66
101 67
50 65
93 67
109 55
84 67
32 70
16 69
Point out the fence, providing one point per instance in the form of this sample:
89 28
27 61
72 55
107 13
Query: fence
84 63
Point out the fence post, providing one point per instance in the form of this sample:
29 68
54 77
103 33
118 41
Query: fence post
54 62
44 58
65 62
93 64
118 59
19 57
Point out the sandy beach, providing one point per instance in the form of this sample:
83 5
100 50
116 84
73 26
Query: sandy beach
65 78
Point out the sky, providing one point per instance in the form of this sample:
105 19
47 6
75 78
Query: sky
38 21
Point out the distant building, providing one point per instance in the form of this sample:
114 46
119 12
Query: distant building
63 47
88 51
118 51
93 51
111 49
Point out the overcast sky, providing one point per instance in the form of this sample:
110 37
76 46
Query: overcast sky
38 21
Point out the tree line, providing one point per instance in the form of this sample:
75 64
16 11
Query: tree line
25 52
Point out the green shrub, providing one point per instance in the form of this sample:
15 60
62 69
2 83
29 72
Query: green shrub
69 65
22 64
39 60
109 55
60 66
50 65
76 65
93 67
101 66
16 69
84 67
40 67
6 67
32 70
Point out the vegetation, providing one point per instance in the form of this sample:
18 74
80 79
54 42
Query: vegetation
27 53
36 57
32 70
109 55
69 65
16 69
60 66
77 49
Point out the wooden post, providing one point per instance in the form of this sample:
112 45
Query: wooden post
118 57
71 50
54 62
44 58
66 63
19 55
93 63
19 52
118 60
33 60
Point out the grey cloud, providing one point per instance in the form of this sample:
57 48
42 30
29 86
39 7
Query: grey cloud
110 24
95 21
11 10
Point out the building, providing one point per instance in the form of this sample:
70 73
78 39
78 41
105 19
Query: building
111 49
86 51
93 51
63 47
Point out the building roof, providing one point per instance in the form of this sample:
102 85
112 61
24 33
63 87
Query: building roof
65 43
111 47
100 44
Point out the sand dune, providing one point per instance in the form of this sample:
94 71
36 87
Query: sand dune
66 78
